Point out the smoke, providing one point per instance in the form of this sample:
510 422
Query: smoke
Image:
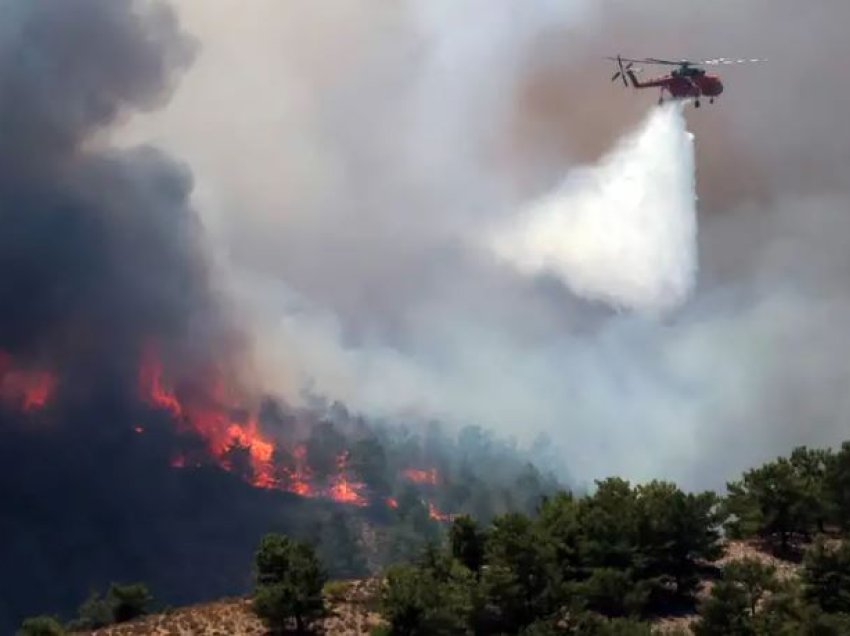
351 169
327 177
101 254
622 231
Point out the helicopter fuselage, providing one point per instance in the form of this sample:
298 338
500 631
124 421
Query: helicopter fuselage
693 83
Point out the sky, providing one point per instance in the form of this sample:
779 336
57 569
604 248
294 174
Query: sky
348 158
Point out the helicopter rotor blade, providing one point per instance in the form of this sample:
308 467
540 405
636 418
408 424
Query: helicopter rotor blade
655 60
624 59
724 60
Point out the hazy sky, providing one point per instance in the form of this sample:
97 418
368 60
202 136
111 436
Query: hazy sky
347 157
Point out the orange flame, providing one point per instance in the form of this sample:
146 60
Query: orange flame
342 489
210 417
150 385
437 515
299 476
420 476
210 414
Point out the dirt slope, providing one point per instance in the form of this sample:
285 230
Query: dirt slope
350 613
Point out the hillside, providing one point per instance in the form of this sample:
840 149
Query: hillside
768 557
353 611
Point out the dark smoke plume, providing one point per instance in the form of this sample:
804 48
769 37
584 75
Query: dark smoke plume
100 254
99 248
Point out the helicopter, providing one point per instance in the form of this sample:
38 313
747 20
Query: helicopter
686 81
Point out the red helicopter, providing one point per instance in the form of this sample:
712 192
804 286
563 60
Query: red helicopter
688 81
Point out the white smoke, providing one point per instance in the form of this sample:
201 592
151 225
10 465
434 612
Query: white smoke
622 231
345 166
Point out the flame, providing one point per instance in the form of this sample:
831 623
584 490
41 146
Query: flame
224 426
437 515
208 414
299 476
150 385
30 390
342 489
420 476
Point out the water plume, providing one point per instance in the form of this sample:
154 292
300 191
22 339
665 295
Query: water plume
622 231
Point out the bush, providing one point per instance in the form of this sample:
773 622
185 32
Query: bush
289 582
42 626
120 604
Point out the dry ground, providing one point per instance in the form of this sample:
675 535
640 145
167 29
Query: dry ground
349 615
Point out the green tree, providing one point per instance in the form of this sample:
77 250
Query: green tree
772 502
838 485
812 467
755 578
734 606
42 626
614 592
826 575
468 543
560 525
289 581
725 612
435 599
675 532
609 525
518 579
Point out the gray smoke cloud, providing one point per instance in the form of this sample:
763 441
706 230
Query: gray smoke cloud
349 156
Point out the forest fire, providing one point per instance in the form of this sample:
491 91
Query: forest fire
232 434
229 429
28 389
